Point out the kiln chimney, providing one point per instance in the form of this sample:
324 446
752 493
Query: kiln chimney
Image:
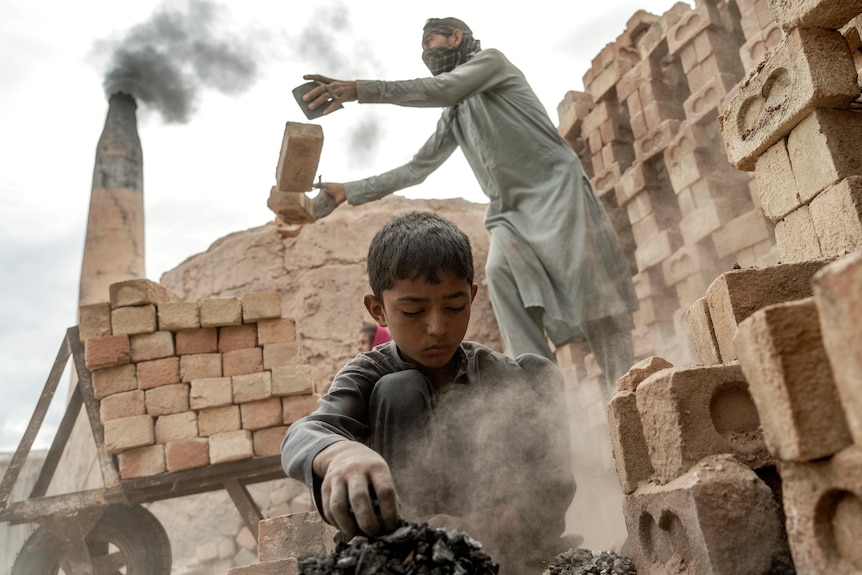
114 245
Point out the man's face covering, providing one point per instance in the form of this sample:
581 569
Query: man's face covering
442 59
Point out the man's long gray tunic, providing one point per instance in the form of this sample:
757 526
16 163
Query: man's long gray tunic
543 213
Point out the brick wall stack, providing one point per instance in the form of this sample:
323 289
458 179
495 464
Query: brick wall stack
689 454
184 384
802 361
796 123
646 127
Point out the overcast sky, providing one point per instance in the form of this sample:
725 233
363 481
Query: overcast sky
208 166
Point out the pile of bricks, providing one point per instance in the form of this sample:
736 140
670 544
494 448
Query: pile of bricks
646 130
751 458
796 123
184 384
668 118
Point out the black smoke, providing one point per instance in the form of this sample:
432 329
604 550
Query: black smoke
168 60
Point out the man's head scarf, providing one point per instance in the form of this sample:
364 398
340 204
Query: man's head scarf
440 60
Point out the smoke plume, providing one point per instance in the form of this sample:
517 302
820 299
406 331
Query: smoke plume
166 61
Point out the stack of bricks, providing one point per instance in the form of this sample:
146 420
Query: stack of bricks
693 445
803 362
182 385
795 122
648 124
301 146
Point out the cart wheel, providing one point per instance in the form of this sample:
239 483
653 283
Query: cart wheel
126 540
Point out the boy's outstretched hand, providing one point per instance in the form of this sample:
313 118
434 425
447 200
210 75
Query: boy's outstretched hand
358 492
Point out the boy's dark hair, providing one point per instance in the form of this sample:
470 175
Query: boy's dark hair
415 245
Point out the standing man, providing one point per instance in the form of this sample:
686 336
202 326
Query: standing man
555 268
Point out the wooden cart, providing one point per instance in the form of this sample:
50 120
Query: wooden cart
107 530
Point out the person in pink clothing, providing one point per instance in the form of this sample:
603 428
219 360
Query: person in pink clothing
372 335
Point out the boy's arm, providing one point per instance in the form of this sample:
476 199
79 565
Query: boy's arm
358 492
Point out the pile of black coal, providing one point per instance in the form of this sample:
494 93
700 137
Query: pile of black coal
412 549
586 562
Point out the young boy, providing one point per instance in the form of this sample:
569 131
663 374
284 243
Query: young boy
431 427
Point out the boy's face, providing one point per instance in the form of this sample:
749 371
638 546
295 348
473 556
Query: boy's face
427 321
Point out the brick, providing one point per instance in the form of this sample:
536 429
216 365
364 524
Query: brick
836 214
242 361
735 295
658 250
297 407
210 392
276 330
656 140
609 75
106 351
839 302
268 441
278 354
292 380
131 320
261 414
301 146
128 433
142 462
260 305
757 46
687 261
201 366
94 320
237 337
158 372
640 371
796 237
155 345
742 232
822 503
230 446
782 356
701 223
704 17
571 111
179 315
192 341
299 535
251 386
704 102
119 405
776 184
791 14
167 399
111 380
218 420
176 426
631 458
291 207
689 413
811 68
824 149
187 453
221 311
139 292
689 522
